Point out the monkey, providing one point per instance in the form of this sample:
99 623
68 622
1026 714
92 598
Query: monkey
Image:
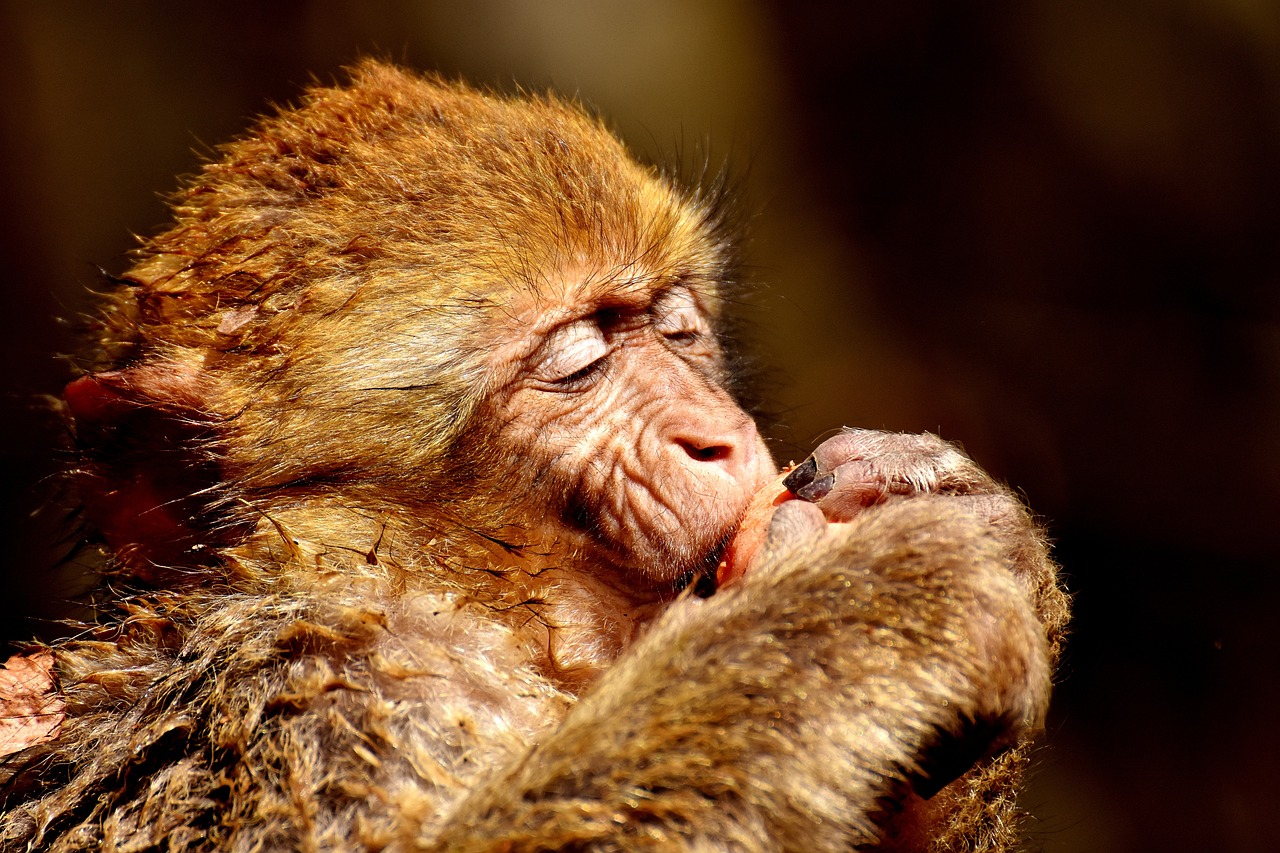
434 524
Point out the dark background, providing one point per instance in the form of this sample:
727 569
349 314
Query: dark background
1046 229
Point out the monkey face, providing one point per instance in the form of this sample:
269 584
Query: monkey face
620 425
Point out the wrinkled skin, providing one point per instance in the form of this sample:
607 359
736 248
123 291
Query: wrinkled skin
635 445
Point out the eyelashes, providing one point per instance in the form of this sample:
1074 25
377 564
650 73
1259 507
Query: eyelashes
582 377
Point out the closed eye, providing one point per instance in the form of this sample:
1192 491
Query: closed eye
677 317
580 377
571 354
688 336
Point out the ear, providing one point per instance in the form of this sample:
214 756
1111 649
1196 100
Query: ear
149 477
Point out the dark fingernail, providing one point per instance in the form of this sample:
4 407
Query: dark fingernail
801 476
818 489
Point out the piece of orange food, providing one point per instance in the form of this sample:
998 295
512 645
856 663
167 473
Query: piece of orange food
746 543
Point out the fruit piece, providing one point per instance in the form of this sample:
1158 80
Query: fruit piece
746 543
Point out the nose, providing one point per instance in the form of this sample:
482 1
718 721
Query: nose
709 450
737 451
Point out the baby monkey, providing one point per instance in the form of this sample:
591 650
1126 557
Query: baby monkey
411 439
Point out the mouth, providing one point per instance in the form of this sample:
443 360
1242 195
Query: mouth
704 578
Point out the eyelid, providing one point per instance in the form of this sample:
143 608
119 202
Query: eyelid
677 314
570 349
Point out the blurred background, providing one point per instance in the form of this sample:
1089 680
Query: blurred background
1047 230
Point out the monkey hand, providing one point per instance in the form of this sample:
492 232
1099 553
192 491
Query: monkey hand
859 469
855 470
1011 629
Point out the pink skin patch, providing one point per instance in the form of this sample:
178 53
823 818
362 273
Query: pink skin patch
746 543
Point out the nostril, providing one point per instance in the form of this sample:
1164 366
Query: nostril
706 452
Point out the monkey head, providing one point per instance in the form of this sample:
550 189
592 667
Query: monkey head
621 418
407 312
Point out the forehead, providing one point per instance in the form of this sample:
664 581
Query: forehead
613 240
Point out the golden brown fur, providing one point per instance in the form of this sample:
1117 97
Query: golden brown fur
394 530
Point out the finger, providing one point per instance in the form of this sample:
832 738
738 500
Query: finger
846 446
794 525
849 489
801 475
817 489
850 444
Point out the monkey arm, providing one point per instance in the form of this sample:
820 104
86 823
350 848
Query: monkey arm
792 710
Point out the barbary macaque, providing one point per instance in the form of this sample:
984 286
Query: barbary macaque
434 525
